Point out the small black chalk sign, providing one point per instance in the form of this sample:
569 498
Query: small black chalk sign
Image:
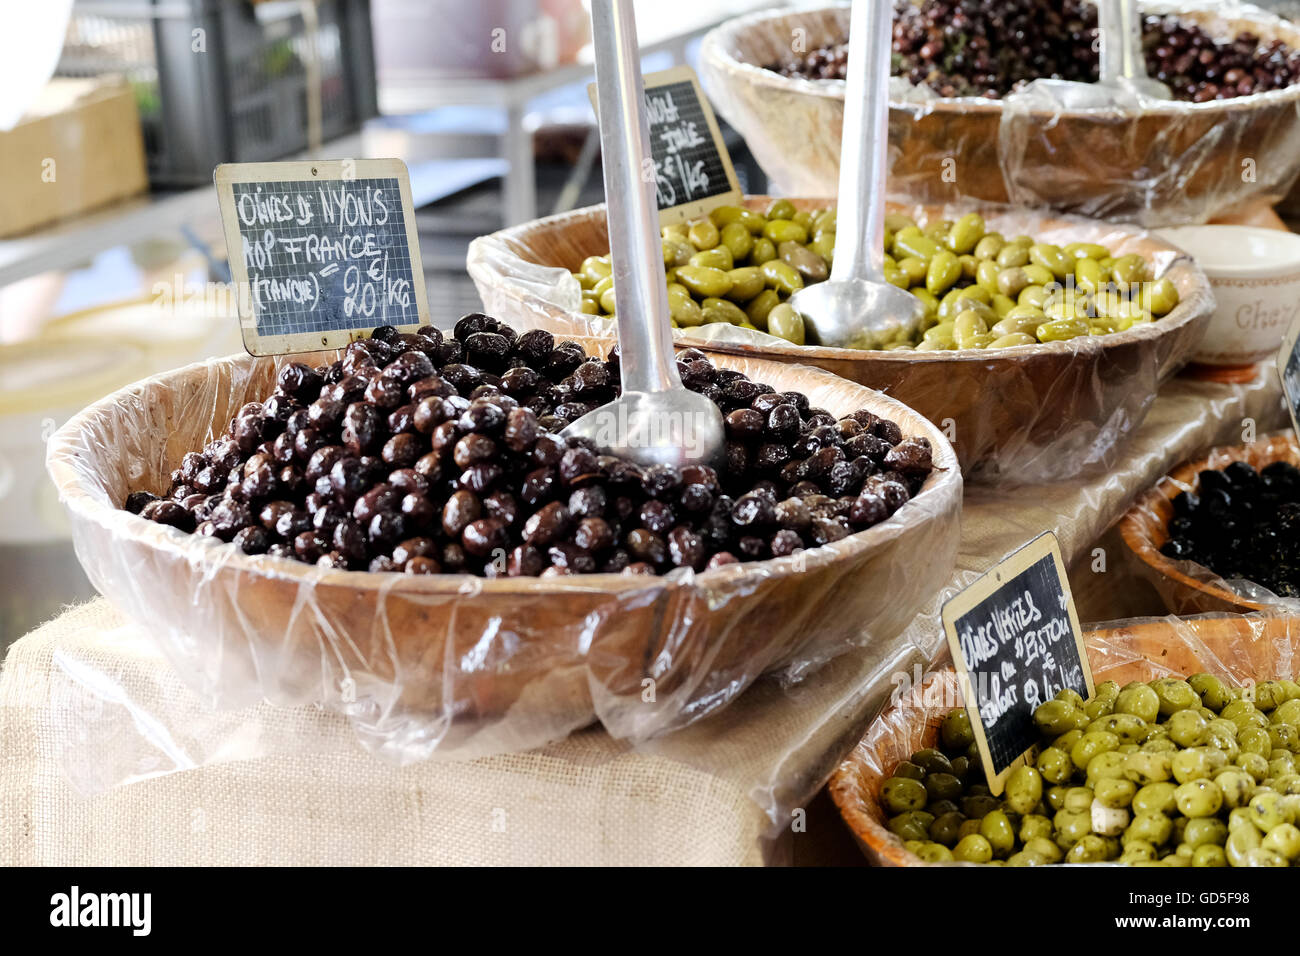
692 168
1016 643
321 253
1288 368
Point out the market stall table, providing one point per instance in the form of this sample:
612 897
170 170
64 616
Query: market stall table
114 761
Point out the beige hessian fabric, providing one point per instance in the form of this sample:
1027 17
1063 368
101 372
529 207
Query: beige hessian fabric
311 796
582 800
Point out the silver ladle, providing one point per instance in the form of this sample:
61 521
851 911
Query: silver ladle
656 420
1123 76
856 307
1123 64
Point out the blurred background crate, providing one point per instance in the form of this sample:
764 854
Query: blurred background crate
228 80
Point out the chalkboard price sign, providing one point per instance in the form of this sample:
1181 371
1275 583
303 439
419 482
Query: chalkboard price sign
692 168
321 252
1016 642
1288 367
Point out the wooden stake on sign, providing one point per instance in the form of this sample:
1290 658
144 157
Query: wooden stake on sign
669 141
1019 624
1288 370
319 281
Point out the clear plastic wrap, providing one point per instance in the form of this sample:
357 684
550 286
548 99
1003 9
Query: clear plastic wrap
1026 414
1185 586
1157 164
461 665
89 703
1241 649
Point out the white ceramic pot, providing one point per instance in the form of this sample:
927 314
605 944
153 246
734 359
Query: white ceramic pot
1255 274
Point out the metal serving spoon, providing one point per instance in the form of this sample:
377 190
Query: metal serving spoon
856 307
1123 76
1122 62
656 420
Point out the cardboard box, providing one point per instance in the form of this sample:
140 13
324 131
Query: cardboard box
78 148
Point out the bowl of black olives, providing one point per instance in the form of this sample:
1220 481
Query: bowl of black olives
777 77
402 526
1223 533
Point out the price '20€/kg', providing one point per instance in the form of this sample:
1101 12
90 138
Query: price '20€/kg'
321 252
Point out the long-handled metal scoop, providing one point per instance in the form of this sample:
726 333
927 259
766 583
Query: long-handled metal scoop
656 420
1122 62
1123 77
856 307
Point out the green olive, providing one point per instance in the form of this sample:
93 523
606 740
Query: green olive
1090 745
1155 798
737 239
704 281
1205 830
718 257
1145 768
807 263
721 311
784 322
785 230
782 277
899 794
703 234
989 246
1115 793
684 310
911 825
1071 826
780 209
1140 701
1050 258
1174 695
918 245
1198 798
1024 789
956 731
746 283
1055 717
974 848
1188 728
1055 765
1013 256
943 272
1129 269
1154 828
761 306
677 252
996 828
596 267
764 251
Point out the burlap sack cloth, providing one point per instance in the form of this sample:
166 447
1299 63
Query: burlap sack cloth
152 777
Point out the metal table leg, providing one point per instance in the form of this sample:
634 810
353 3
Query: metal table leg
520 181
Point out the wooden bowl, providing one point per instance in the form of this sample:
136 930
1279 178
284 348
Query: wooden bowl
1186 587
1033 412
448 654
1168 165
1232 647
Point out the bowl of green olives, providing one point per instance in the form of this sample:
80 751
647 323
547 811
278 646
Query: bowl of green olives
1044 341
1153 770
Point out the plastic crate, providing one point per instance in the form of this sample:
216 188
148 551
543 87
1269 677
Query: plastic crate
226 80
